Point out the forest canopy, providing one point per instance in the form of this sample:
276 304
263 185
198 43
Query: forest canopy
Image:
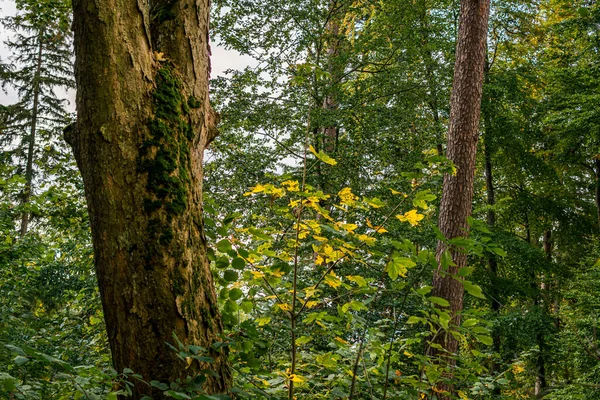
393 200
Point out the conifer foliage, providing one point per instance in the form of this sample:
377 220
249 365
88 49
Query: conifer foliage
41 64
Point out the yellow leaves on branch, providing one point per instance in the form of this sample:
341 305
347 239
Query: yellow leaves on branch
291 186
333 280
518 368
412 217
346 196
266 189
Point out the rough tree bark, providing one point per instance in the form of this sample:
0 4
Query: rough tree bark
455 207
143 122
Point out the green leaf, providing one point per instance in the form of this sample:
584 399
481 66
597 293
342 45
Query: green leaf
498 251
470 322
359 280
259 234
439 301
354 305
235 294
238 263
177 395
159 385
462 242
224 245
247 306
446 260
484 339
8 382
231 306
422 197
230 275
465 271
209 222
398 266
424 290
20 360
473 290
481 330
374 202
444 319
244 253
222 262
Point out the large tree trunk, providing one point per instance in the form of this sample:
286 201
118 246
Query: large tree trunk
455 207
143 121
31 142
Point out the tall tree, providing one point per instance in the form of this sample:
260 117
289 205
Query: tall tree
41 48
463 132
143 122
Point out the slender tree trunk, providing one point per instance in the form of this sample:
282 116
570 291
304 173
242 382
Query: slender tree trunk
597 197
540 379
335 69
431 83
455 207
491 218
143 122
31 143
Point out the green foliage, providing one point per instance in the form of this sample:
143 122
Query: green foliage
338 131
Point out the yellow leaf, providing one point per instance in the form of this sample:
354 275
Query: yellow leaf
517 369
314 225
341 341
412 217
378 229
346 196
292 186
285 307
349 227
319 260
256 189
257 274
395 192
297 378
311 304
262 321
322 156
408 354
369 240
462 395
320 238
332 280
